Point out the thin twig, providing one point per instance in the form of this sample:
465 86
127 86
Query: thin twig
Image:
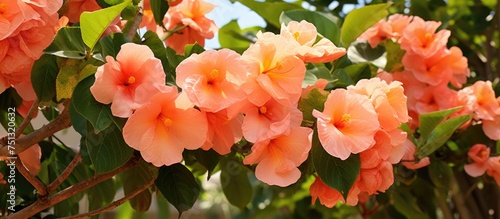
64 175
135 25
39 186
61 122
113 204
27 120
45 202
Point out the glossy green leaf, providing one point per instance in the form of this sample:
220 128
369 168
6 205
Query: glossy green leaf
394 56
429 121
235 183
106 150
315 100
359 20
233 37
178 186
156 45
341 78
314 73
67 43
358 71
101 194
93 24
361 51
270 10
159 9
334 172
190 49
85 104
43 77
132 180
325 26
112 43
440 135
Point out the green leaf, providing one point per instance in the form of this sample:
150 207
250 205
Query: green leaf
132 180
156 45
190 49
325 26
440 135
361 51
43 77
441 174
341 78
159 9
334 172
101 194
99 115
358 71
314 100
178 186
429 121
106 150
66 81
112 43
394 56
209 159
359 20
67 43
235 183
406 204
93 24
233 37
270 10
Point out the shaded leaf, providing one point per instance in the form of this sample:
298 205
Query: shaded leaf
67 43
271 10
101 194
132 180
112 44
394 56
315 100
233 37
209 159
159 9
178 186
235 183
43 77
441 174
334 172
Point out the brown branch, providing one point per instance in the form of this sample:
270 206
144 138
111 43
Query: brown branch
135 25
45 202
443 204
27 120
61 122
113 204
53 186
39 186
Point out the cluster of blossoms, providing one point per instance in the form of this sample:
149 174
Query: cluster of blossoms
185 23
26 29
429 68
482 162
365 123
253 95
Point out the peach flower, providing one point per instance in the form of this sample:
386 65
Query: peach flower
212 79
76 7
31 159
376 179
189 14
161 129
303 36
480 155
269 120
278 158
330 197
375 155
117 80
348 127
275 71
223 132
494 168
148 19
388 100
488 106
420 38
433 70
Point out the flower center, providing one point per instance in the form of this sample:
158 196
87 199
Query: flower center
167 122
212 76
277 66
263 110
483 154
427 39
130 80
3 7
296 36
344 121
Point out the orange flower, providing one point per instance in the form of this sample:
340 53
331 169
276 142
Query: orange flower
330 197
76 7
303 37
379 178
278 158
420 38
117 80
348 127
494 168
212 79
409 157
275 71
480 154
191 14
161 129
223 132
